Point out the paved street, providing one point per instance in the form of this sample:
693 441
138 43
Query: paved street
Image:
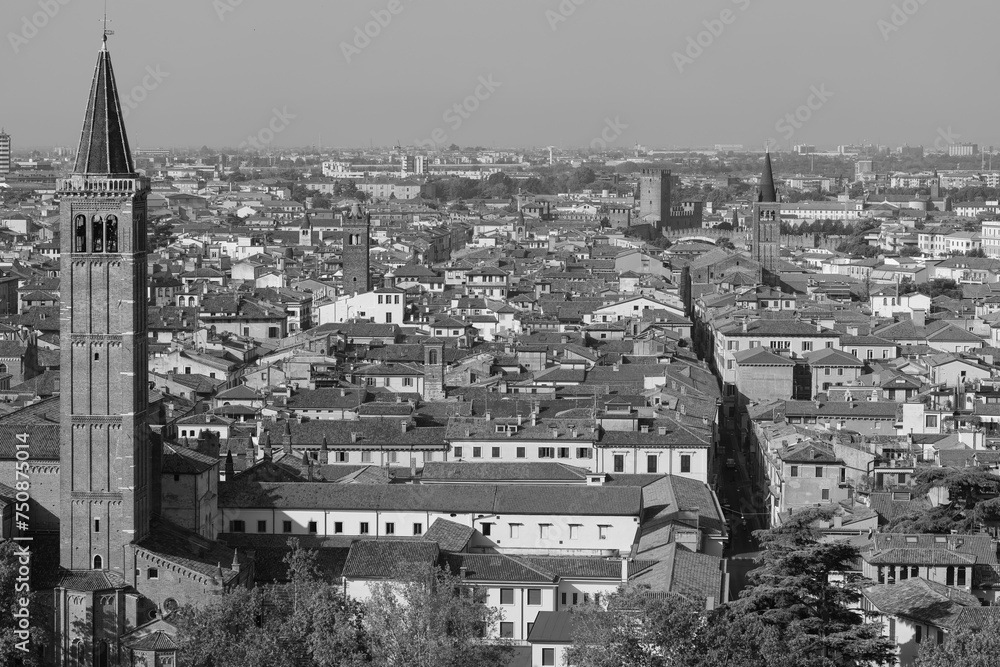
736 496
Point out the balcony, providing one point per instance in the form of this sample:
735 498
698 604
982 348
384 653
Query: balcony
102 184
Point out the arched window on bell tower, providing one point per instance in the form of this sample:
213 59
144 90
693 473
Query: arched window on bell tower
111 234
97 242
432 357
80 234
98 563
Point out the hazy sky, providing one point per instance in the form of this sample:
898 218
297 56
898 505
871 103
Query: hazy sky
624 68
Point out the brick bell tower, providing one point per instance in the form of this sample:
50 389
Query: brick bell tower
105 462
765 227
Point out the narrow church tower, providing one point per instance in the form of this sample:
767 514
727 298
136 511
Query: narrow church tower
105 462
434 370
765 227
357 237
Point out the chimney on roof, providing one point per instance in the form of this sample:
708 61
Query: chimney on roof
624 570
644 428
534 417
355 436
235 567
919 317
615 367
413 465
343 392
661 430
404 426
745 325
487 415
819 328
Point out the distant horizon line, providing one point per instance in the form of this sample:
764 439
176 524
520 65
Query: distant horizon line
738 148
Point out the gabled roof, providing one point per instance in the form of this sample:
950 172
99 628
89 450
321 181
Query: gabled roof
808 452
449 535
238 393
382 559
760 356
832 357
180 460
922 600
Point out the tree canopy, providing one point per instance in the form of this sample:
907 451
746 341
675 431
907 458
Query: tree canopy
424 616
796 612
968 647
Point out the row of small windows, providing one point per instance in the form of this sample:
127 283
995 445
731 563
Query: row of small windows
546 531
239 526
521 452
103 234
651 463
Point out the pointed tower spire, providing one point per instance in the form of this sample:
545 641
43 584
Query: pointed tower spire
104 148
767 191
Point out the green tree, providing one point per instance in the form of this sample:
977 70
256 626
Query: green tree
792 590
635 629
724 242
323 620
967 647
428 617
240 628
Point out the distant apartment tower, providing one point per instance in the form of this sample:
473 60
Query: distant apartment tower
4 152
414 165
654 194
963 150
804 149
765 227
356 226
